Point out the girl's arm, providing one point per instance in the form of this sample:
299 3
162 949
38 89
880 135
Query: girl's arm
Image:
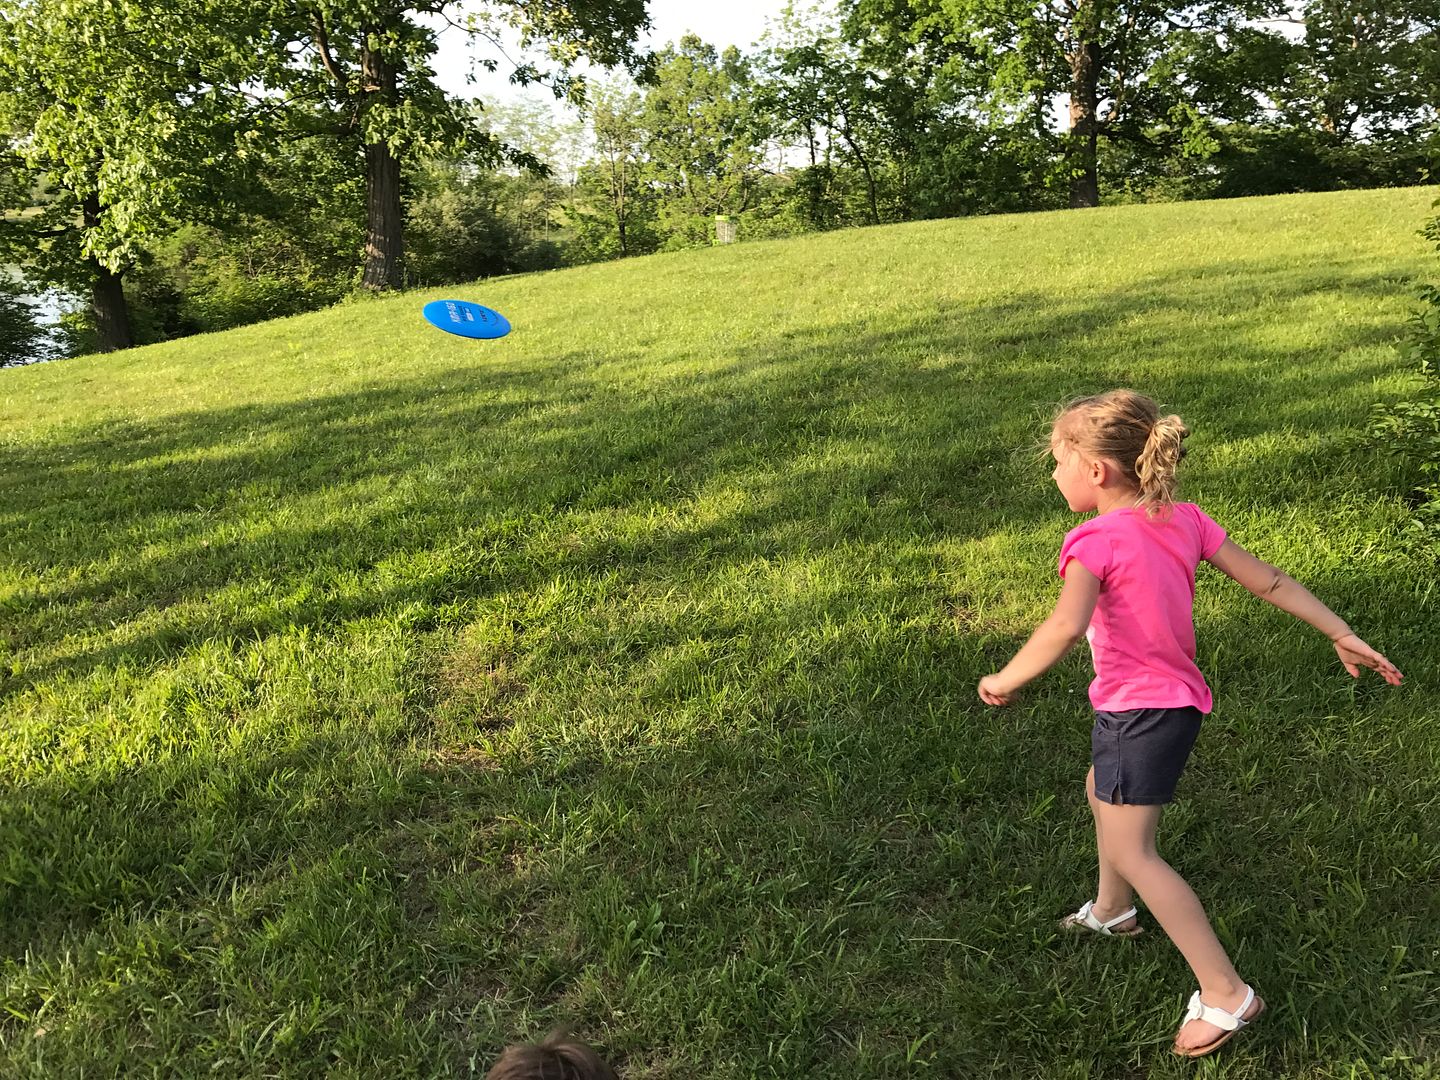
1279 588
1051 640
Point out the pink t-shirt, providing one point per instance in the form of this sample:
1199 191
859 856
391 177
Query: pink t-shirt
1142 634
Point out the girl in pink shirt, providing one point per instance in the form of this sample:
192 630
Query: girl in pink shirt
1129 585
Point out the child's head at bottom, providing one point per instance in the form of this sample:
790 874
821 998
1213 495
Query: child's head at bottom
557 1058
1127 430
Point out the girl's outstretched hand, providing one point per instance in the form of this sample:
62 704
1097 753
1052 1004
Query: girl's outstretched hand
994 692
1355 654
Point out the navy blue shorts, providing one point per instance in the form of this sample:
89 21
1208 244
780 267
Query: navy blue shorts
1139 754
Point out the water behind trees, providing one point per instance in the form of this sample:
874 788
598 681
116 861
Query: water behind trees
47 305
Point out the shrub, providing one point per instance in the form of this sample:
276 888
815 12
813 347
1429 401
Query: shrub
1411 429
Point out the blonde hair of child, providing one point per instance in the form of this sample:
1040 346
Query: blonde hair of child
559 1057
1127 429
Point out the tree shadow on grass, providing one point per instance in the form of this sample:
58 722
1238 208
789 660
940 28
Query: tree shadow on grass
429 491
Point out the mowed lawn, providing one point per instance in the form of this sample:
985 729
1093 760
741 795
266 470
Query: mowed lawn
370 698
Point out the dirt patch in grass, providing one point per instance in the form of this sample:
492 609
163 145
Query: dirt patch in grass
476 684
463 759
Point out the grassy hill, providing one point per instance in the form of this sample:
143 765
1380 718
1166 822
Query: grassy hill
370 698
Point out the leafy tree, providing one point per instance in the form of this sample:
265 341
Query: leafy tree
614 219
1411 429
531 125
1365 68
362 72
893 119
469 224
702 138
531 198
1360 90
819 93
1122 65
119 127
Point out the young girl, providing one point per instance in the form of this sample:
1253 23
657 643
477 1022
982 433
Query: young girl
1129 583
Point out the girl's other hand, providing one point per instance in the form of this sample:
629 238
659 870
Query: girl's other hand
1355 654
994 692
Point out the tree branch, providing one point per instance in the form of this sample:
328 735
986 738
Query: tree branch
495 43
1122 77
1123 134
322 44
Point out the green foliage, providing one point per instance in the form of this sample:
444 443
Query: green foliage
882 129
1365 69
702 139
290 245
1411 429
818 94
465 224
593 216
123 121
613 207
1122 66
1188 102
120 124
455 234
362 73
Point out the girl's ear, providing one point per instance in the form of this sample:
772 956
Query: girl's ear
1098 470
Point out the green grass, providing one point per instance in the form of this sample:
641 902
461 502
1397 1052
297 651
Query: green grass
372 698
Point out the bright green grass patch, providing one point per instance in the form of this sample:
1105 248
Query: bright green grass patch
373 697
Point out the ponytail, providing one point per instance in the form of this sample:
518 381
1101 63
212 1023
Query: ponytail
1155 466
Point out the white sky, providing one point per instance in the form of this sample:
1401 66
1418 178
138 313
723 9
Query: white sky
734 22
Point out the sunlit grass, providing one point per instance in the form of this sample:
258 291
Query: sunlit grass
372 697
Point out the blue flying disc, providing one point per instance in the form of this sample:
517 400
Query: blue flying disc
466 319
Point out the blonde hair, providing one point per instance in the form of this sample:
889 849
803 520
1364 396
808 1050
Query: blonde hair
559 1057
1126 429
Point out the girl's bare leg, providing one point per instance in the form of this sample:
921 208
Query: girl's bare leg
1114 893
1129 833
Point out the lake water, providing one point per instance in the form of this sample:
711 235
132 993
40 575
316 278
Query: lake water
48 307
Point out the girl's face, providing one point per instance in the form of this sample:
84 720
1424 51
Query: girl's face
1079 480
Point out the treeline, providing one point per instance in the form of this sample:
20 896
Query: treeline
197 164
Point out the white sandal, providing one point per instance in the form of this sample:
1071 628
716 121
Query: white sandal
1084 920
1228 1022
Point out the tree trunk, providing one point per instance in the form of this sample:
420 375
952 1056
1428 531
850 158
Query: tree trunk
112 314
1084 120
107 292
869 177
621 213
384 208
619 188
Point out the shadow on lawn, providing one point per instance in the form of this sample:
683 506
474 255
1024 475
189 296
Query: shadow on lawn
804 859
917 421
